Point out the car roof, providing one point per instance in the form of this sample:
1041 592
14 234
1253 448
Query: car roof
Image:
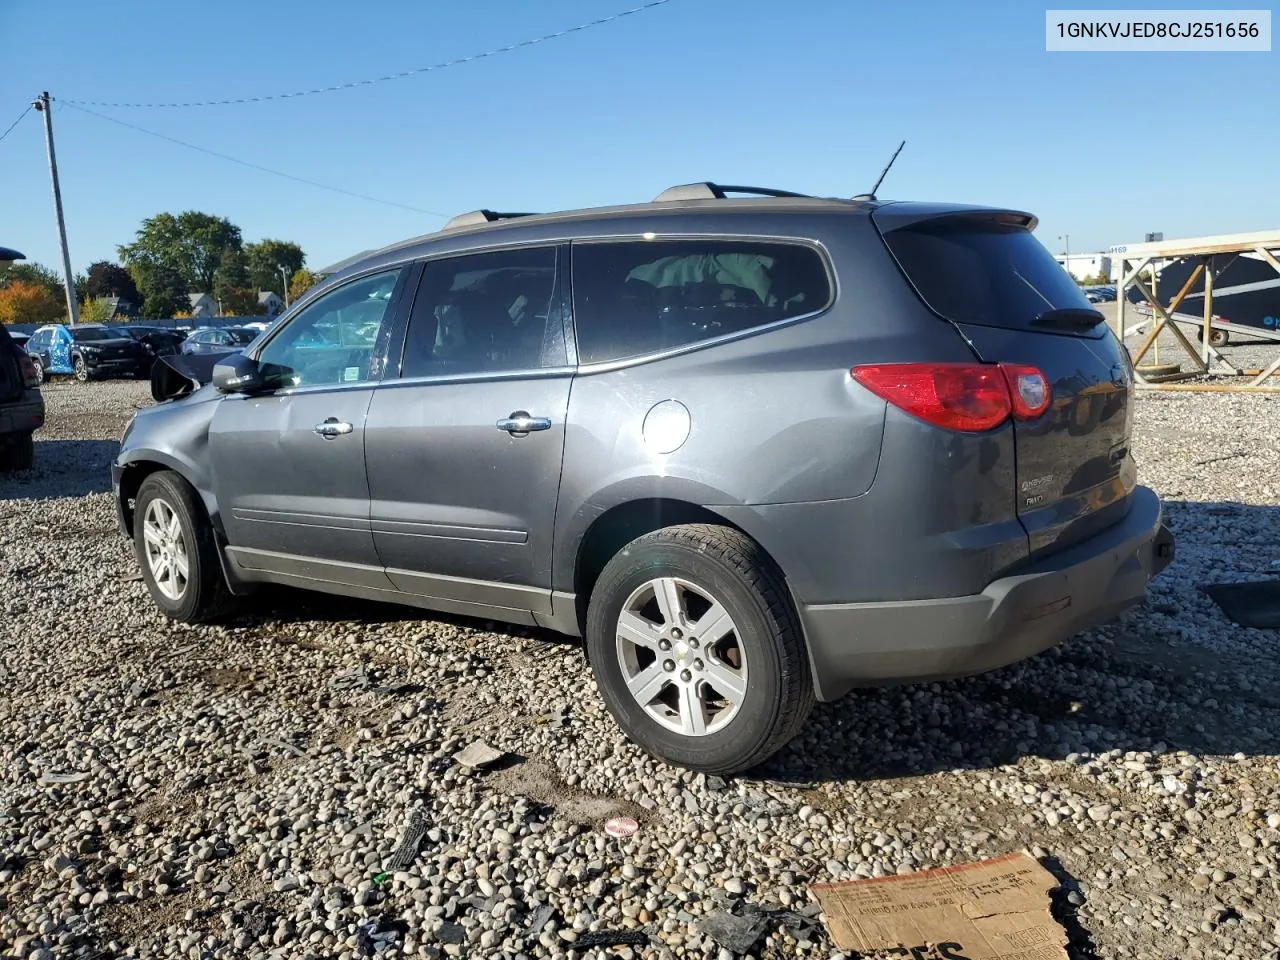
703 203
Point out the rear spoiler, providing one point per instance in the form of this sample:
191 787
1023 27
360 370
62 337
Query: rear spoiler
897 214
176 375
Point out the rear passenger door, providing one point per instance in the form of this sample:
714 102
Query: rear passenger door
464 441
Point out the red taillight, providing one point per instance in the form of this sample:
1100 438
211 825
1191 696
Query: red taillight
959 396
30 375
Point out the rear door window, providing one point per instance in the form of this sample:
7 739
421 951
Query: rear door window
972 270
494 312
638 297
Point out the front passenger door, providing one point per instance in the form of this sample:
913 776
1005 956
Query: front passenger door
288 463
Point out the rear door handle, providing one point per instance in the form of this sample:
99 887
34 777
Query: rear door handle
520 423
333 427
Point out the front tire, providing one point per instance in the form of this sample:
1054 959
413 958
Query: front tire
697 649
82 370
39 365
176 550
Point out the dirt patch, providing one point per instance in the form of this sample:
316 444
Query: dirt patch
538 781
230 678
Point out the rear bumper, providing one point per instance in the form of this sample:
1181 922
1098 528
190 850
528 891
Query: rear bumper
1015 617
24 415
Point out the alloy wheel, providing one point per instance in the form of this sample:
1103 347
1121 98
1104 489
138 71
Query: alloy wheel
680 656
166 549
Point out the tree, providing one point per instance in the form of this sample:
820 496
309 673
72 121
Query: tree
164 292
230 275
239 302
265 260
97 310
301 281
108 279
24 302
38 275
190 244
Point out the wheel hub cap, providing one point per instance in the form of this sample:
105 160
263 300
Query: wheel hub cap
681 657
165 550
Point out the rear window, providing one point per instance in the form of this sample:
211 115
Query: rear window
973 271
92 333
638 297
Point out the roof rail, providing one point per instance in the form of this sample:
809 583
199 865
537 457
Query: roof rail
477 217
715 191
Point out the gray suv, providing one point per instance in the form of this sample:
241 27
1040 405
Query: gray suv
755 448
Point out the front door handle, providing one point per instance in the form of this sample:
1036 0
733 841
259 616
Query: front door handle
333 427
520 423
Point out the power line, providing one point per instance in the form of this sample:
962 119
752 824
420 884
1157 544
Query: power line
16 122
254 166
390 76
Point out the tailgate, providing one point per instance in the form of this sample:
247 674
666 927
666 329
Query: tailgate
986 273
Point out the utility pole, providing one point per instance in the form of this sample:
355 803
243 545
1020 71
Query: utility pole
43 103
285 273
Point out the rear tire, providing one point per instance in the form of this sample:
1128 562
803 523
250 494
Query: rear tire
722 703
176 550
17 452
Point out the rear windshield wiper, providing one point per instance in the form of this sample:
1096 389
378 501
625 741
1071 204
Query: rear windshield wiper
1076 318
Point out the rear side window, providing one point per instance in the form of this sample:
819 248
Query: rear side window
983 272
637 297
486 313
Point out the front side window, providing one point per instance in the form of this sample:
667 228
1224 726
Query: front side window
335 339
637 297
485 313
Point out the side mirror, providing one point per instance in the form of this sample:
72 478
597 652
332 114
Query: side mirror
237 374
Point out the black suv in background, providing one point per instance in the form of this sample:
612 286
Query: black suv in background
21 406
88 351
161 341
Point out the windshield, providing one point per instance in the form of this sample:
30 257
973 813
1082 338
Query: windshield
84 335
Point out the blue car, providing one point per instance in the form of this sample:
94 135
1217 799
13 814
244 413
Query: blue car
87 351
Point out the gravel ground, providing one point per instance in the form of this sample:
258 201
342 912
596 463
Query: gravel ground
239 791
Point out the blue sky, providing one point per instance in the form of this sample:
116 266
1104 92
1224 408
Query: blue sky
810 95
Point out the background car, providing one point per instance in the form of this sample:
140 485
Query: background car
87 351
161 341
21 406
218 340
19 339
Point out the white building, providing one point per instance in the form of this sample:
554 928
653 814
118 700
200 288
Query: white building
1086 265
202 305
269 302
